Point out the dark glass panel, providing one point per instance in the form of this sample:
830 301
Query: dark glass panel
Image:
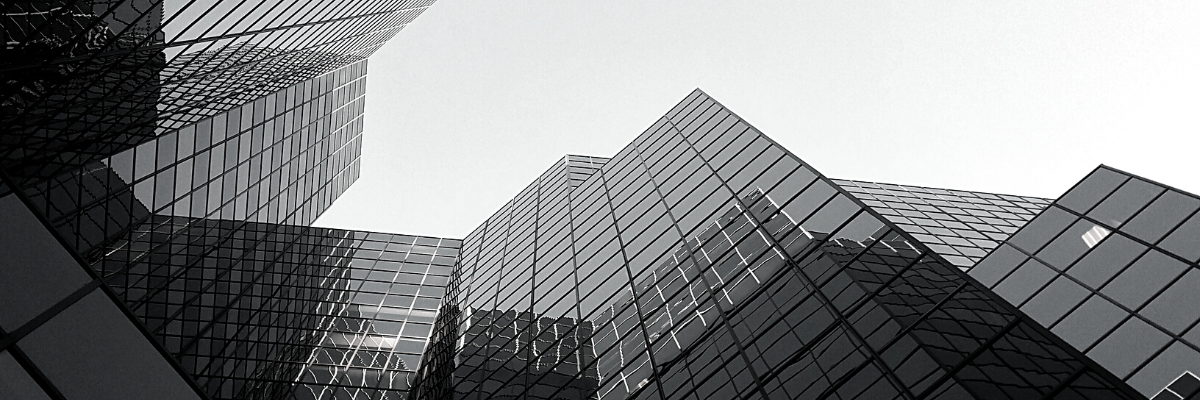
15 383
92 351
1126 201
1108 258
1084 325
1026 280
1073 242
1142 280
1043 228
997 265
1185 240
35 270
1128 347
1052 303
1091 190
1161 216
1166 367
1177 308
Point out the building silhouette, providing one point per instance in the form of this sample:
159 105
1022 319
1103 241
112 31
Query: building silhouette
161 166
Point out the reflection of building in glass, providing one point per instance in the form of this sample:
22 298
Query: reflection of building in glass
1111 268
167 159
1185 387
160 164
711 263
84 79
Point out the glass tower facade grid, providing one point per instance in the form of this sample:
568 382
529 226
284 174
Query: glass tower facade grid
961 226
706 261
85 79
1111 267
160 164
163 159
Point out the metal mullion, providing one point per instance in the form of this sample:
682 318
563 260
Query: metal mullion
532 327
194 75
951 371
894 380
675 222
241 327
108 292
35 373
1096 292
641 324
214 247
1018 315
90 57
81 210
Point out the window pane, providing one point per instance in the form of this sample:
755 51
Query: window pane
93 351
1108 258
1167 211
1130 198
1025 281
1042 229
1091 190
35 270
1073 242
1185 240
1176 308
1050 305
1165 368
1128 347
1143 279
15 383
1089 322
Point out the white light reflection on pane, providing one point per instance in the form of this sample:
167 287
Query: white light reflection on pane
1095 235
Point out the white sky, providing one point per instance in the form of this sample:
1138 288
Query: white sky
473 100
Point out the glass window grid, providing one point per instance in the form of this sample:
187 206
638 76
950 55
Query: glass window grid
1175 339
83 211
947 220
654 388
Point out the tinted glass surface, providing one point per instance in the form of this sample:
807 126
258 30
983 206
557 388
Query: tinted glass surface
1128 240
704 261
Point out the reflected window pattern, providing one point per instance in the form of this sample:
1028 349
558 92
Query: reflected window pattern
89 78
962 226
379 316
281 159
705 261
1111 268
1185 387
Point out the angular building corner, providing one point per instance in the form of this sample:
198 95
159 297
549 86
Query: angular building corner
162 163
706 261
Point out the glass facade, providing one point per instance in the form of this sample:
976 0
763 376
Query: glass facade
85 79
961 226
1185 387
163 161
1111 267
705 261
160 166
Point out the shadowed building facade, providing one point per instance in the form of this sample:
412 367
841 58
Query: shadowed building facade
160 165
708 262
163 162
1111 267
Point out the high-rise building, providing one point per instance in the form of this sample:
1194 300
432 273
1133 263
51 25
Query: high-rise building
1111 268
706 261
161 165
160 162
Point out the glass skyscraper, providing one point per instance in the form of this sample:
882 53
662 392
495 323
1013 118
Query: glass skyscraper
162 164
1111 268
706 261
